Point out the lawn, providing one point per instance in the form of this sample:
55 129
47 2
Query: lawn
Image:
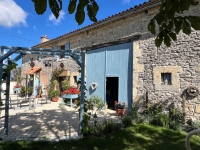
137 137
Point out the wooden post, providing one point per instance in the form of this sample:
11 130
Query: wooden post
184 100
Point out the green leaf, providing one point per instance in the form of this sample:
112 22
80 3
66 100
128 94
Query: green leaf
159 39
184 5
195 22
172 35
168 5
194 2
72 6
167 40
40 6
95 5
186 27
91 13
170 25
80 13
160 18
55 7
178 24
151 26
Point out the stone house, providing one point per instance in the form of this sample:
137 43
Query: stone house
161 74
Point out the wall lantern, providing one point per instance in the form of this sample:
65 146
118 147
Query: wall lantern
62 65
30 61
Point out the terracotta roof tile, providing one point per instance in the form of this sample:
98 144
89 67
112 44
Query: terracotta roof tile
32 70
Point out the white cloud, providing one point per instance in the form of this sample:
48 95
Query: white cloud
126 1
11 14
34 27
60 18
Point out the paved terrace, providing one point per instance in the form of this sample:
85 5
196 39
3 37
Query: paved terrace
46 122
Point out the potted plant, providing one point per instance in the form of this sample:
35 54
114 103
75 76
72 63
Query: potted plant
22 90
16 89
120 108
54 94
70 93
39 92
30 91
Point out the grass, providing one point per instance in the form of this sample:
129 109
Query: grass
137 137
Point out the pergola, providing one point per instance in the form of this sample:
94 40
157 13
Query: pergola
77 55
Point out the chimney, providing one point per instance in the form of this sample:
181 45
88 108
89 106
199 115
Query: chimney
44 38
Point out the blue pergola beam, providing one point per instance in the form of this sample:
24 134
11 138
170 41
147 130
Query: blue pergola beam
18 57
1 70
6 55
34 49
7 99
82 91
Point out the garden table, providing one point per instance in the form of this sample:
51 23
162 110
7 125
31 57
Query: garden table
70 96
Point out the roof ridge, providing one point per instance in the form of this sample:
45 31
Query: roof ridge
135 8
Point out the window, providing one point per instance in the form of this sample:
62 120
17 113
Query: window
166 78
62 48
75 79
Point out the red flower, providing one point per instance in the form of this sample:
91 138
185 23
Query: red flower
71 90
16 86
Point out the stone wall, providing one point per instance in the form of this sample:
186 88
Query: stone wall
182 60
46 72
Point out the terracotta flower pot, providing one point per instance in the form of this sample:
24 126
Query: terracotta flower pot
38 96
55 99
121 112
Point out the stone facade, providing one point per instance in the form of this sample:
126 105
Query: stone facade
45 75
181 59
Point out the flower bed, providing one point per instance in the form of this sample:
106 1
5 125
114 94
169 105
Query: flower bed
71 90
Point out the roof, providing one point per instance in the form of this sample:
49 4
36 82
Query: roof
134 9
32 70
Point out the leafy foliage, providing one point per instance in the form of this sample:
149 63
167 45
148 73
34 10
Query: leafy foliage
96 101
171 21
11 65
22 89
75 6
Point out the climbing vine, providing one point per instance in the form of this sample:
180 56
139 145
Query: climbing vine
54 76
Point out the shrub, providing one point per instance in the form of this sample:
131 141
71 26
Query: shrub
127 121
22 89
30 89
96 101
85 124
54 93
108 126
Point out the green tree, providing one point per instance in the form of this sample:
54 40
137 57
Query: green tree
75 6
170 20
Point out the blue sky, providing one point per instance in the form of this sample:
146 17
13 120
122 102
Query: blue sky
21 26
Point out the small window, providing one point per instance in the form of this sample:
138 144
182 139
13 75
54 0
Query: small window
166 78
